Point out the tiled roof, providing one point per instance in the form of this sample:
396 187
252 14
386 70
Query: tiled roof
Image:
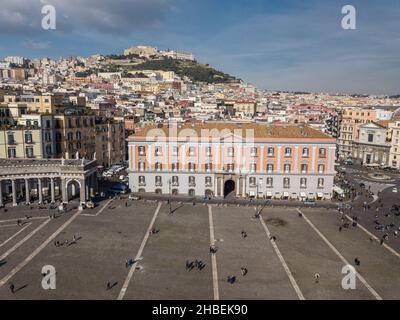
260 130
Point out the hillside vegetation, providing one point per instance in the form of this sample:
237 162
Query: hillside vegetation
193 70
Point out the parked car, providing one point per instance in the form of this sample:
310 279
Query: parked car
394 190
309 202
133 197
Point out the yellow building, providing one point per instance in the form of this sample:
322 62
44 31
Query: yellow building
352 119
47 103
20 142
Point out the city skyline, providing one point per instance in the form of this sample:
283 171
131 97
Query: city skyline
276 45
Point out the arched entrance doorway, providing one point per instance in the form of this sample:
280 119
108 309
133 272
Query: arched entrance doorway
73 189
229 188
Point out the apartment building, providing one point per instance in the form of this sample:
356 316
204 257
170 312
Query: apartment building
352 119
110 142
223 159
45 103
75 134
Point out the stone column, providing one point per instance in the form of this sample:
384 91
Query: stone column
27 192
83 191
1 193
221 187
53 195
243 187
14 193
40 190
215 187
238 187
64 193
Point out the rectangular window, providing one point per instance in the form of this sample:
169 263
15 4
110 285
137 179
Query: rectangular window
175 181
175 151
304 168
322 152
252 182
142 166
286 183
320 182
370 137
29 152
158 181
158 151
10 138
288 152
270 168
192 151
158 166
175 166
305 152
253 151
192 166
230 167
208 181
142 181
270 182
253 167
28 137
192 181
270 152
209 151
142 150
286 168
303 183
208 167
321 168
231 152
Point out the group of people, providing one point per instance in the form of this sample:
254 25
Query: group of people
190 265
57 243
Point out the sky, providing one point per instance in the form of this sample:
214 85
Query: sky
294 45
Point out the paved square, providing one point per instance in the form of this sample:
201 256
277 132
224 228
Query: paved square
118 230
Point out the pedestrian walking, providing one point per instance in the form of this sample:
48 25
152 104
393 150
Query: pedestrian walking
357 261
316 277
243 271
12 288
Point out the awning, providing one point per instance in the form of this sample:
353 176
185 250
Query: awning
320 195
294 195
302 194
252 193
286 194
269 193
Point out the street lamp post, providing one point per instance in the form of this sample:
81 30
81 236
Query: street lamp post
170 195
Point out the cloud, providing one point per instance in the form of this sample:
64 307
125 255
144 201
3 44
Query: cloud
36 45
21 17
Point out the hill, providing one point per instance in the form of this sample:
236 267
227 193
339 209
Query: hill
195 71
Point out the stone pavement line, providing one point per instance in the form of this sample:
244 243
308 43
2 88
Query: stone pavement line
7 225
360 277
374 237
15 234
213 256
283 262
24 219
21 242
37 250
138 255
